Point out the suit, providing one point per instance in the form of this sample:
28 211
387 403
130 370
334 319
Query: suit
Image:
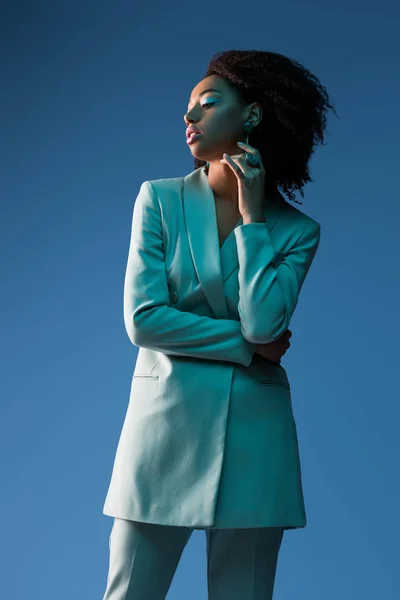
209 438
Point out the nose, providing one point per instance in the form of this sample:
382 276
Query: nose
188 119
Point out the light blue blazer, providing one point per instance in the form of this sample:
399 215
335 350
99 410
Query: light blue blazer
209 437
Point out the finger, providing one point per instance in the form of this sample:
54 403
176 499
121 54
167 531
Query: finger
247 147
252 150
248 171
233 165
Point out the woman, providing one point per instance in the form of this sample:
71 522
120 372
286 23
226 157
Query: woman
216 263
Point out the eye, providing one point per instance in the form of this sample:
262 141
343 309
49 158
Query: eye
207 104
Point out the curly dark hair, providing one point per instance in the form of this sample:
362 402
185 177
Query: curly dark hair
294 106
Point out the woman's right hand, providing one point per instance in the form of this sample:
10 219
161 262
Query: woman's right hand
273 351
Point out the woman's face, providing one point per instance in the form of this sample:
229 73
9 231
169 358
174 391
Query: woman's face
219 116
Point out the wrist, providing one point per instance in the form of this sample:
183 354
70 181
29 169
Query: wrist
248 219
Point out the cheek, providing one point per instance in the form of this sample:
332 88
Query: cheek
222 127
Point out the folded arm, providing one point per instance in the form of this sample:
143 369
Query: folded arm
149 320
268 294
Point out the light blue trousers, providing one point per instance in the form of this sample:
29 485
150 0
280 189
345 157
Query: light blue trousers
241 563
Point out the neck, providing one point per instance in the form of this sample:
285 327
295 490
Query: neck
223 182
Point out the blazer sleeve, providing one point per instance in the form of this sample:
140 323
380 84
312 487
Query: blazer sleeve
149 320
268 293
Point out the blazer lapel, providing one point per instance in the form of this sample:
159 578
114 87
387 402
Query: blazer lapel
212 264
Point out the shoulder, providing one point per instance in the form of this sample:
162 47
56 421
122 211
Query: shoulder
170 183
298 216
159 192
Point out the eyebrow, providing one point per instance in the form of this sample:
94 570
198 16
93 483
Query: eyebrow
209 90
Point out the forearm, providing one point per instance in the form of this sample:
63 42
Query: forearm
268 292
178 333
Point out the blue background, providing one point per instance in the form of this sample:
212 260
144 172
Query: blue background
92 101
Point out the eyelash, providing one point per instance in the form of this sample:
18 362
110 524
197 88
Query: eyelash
207 104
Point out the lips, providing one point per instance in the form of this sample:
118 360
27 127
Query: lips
193 137
191 130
